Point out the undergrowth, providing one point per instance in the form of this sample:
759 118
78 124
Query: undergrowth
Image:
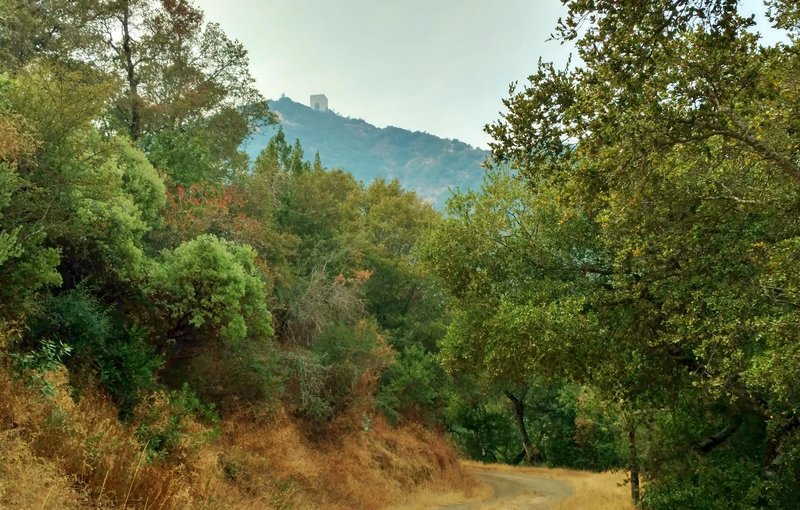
63 452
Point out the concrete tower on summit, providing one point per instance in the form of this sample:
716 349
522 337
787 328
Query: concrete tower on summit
319 102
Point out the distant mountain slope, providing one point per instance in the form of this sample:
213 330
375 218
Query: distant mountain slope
422 162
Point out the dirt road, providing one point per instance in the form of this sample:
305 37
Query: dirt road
515 491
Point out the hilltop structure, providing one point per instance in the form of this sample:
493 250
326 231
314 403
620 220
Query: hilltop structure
422 162
319 102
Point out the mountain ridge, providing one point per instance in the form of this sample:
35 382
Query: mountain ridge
425 163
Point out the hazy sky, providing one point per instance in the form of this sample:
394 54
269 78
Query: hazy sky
441 66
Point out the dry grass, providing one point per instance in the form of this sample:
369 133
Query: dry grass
27 481
349 468
598 491
473 491
85 443
59 453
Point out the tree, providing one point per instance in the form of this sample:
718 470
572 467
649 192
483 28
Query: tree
26 267
58 30
177 68
210 284
401 293
653 205
91 198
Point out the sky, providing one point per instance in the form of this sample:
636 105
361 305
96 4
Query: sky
440 66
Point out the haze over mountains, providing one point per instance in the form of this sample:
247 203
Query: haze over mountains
422 162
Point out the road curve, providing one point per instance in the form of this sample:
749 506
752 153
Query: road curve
516 491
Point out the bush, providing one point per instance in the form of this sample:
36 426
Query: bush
93 342
212 285
730 476
413 386
304 386
570 429
342 367
231 375
34 364
175 424
483 432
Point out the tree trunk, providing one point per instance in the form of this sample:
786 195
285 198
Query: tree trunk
519 419
633 463
135 120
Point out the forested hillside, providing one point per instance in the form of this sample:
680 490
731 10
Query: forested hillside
429 165
184 325
180 326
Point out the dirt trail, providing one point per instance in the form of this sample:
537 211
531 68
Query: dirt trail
516 491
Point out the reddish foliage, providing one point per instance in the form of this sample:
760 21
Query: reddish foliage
204 208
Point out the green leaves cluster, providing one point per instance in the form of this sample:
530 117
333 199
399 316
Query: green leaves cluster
210 282
637 235
141 249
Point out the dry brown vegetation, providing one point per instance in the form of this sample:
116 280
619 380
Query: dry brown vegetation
598 491
352 468
595 491
63 453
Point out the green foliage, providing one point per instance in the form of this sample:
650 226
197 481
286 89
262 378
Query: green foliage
127 366
719 481
212 283
304 385
412 386
568 425
168 424
187 156
652 256
483 432
353 357
320 208
91 197
26 267
569 430
46 358
117 356
197 83
56 31
27 270
139 250
231 376
400 293
140 181
59 102
342 366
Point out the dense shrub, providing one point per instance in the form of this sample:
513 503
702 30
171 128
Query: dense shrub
98 345
414 386
342 367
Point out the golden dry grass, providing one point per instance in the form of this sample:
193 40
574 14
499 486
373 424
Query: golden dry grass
27 481
84 442
59 453
425 499
598 491
349 468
